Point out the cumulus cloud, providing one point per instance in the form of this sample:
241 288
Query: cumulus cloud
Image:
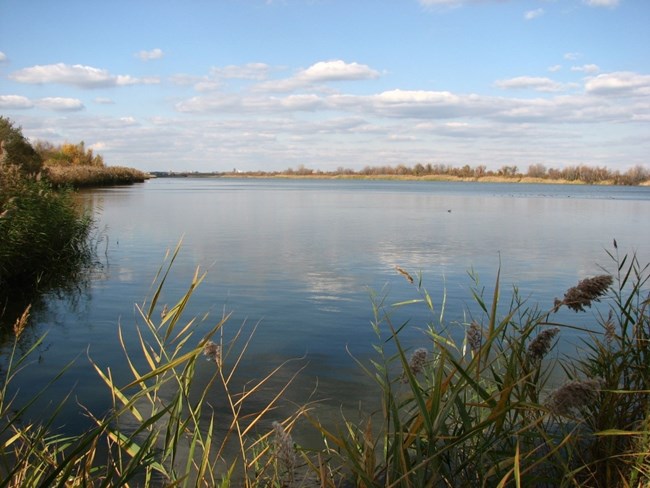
104 101
76 75
572 56
621 83
149 55
533 14
586 68
602 3
530 83
321 72
15 102
60 104
3 57
555 68
337 70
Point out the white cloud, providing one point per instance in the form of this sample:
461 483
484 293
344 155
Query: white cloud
602 3
555 68
60 104
530 83
3 57
104 101
533 14
321 72
586 68
572 56
149 55
337 70
76 75
621 83
12 102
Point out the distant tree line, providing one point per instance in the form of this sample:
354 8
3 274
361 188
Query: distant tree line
581 173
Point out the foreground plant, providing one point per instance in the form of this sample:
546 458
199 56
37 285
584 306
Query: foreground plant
475 408
164 428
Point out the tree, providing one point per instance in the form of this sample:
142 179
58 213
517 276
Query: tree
15 149
537 170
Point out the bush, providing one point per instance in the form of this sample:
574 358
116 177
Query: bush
43 234
15 150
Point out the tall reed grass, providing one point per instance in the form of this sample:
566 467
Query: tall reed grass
93 176
43 235
471 411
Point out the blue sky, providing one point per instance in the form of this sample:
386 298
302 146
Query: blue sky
268 85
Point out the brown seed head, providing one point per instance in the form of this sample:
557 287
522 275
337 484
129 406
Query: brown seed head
283 448
474 336
573 395
587 291
21 323
212 352
539 347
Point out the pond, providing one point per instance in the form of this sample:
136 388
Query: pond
300 260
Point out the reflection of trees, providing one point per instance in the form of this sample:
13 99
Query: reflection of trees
71 284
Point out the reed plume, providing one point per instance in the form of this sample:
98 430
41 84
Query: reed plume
587 291
474 336
539 347
573 395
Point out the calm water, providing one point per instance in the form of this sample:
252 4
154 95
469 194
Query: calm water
301 259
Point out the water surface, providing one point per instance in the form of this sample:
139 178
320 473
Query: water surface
301 259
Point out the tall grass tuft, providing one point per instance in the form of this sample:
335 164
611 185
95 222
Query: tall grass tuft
164 427
475 407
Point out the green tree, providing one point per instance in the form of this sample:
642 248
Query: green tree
15 149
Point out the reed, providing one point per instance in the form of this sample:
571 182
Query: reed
469 406
44 237
479 410
93 176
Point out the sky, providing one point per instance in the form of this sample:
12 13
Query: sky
217 85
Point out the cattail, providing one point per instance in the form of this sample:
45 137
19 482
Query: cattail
21 323
283 449
573 395
405 274
539 347
474 337
587 291
212 352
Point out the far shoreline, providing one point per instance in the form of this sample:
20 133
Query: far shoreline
388 177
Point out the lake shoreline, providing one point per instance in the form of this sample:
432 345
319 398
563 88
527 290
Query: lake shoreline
439 178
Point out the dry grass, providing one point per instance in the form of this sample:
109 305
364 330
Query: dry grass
86 176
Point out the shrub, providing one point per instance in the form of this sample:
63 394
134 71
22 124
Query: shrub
43 235
15 150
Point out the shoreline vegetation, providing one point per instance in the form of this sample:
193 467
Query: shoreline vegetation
475 411
537 173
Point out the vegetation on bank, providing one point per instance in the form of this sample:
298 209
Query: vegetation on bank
536 173
77 166
474 411
43 235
